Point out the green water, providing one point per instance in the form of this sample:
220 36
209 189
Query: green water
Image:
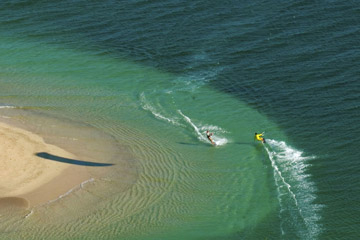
137 83
180 186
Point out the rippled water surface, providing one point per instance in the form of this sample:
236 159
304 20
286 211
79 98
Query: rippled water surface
137 84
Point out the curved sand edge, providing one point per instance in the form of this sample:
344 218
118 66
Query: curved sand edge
26 175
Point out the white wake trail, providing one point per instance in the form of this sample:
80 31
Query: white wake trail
200 132
5 106
197 131
147 106
297 200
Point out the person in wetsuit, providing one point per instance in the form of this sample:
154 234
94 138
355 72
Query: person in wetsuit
259 137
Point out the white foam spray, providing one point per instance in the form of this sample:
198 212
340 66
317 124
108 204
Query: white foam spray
7 106
296 192
78 187
147 106
197 131
29 214
81 186
200 132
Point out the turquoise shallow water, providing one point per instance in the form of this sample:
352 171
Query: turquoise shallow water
139 83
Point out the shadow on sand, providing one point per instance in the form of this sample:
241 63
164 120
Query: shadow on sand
71 161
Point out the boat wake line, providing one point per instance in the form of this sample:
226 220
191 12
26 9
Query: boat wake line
184 122
295 191
200 131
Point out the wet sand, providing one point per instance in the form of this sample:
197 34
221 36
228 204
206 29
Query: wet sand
32 171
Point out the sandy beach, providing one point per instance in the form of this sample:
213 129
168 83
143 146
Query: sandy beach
32 171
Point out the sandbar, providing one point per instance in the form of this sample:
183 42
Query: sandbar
27 179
